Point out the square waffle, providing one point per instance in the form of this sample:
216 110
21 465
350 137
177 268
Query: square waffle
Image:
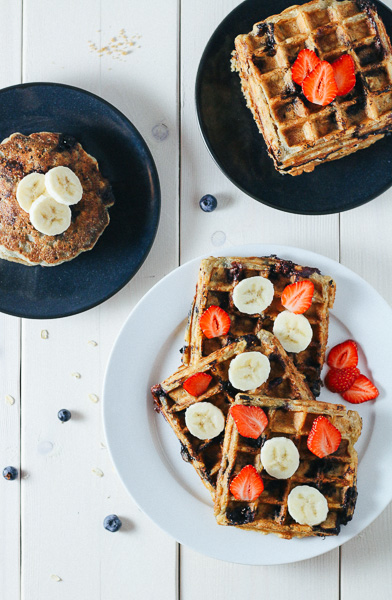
216 282
172 400
299 134
334 476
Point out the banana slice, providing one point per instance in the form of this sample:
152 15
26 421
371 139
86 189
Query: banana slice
280 457
249 370
63 185
293 331
50 217
307 505
204 420
253 295
29 189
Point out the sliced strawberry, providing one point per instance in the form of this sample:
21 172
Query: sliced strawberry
340 380
247 485
343 355
344 73
323 438
215 322
250 420
297 297
197 384
320 86
306 61
362 390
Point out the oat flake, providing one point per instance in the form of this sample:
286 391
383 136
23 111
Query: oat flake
10 400
76 375
98 472
44 334
94 398
55 578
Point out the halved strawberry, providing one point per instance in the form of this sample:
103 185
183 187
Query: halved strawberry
323 438
215 322
197 384
306 61
247 485
297 297
362 390
344 73
320 86
343 355
340 380
250 420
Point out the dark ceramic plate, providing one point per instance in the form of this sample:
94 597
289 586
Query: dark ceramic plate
123 157
239 150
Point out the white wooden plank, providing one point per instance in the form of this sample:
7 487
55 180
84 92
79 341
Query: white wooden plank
10 74
63 492
238 219
366 248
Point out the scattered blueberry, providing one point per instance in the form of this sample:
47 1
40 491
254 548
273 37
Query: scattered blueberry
208 203
10 473
64 415
112 523
66 142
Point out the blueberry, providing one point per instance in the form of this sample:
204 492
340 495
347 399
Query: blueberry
112 523
64 415
208 203
66 142
10 473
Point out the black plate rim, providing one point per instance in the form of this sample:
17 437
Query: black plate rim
155 185
213 154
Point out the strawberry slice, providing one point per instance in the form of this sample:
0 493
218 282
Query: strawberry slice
340 380
250 420
323 438
362 390
320 86
344 73
247 485
197 384
215 322
297 297
306 61
343 355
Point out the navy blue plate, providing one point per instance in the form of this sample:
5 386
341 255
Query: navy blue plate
123 157
239 150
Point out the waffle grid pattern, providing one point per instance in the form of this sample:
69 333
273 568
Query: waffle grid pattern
334 476
296 130
217 279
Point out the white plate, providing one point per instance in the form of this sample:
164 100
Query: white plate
146 452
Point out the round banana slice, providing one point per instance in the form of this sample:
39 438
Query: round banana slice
293 331
307 505
63 185
249 370
253 295
29 189
280 457
50 217
204 420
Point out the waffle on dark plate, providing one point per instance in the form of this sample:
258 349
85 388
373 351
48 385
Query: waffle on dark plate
299 134
216 282
334 476
172 400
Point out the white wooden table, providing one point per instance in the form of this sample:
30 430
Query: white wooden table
52 542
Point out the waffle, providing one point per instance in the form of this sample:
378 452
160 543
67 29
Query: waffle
334 475
299 134
172 400
217 279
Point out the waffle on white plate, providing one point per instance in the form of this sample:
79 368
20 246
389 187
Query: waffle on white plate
299 134
218 277
172 400
334 475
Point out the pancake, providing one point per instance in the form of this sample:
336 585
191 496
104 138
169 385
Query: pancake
39 152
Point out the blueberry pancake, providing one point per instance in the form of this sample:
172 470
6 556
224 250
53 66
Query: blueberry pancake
20 241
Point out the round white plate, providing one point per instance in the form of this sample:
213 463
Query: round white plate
146 452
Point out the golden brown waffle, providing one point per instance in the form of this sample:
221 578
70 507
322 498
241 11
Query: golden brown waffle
299 134
334 476
172 400
217 279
